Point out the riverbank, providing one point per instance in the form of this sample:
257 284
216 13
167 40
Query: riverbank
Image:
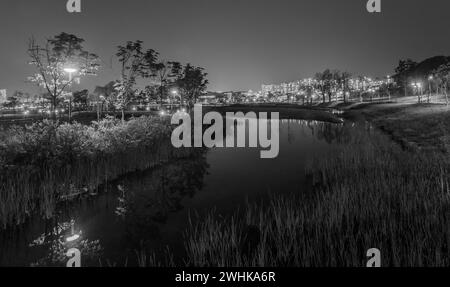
424 126
286 111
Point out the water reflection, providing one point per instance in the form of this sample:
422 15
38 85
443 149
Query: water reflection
147 199
150 210
130 213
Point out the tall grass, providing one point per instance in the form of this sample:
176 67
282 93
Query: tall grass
47 162
368 194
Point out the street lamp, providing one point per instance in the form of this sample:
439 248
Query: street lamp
430 78
175 94
70 71
418 88
388 85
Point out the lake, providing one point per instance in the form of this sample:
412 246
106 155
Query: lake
151 210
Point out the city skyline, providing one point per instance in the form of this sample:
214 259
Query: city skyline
243 45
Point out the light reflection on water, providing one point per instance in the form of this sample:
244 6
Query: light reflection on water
150 210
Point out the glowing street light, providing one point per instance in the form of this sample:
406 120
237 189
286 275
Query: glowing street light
72 238
70 71
430 78
175 93
418 87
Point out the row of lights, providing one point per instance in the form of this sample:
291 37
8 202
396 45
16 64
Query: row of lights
27 112
419 84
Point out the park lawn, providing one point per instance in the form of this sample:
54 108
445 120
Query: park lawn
417 126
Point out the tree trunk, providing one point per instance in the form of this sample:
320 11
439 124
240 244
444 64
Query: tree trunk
161 95
98 112
446 94
53 108
123 116
70 110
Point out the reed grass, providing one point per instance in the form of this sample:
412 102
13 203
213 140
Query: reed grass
367 194
48 162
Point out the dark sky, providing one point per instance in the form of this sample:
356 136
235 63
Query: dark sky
242 44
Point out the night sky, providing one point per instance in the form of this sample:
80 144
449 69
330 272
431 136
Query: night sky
241 44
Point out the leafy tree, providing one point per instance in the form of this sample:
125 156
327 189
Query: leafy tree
324 83
60 52
105 94
192 82
80 98
166 73
134 63
442 75
23 96
309 90
344 79
403 73
270 97
11 102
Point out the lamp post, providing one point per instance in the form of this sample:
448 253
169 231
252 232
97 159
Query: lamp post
418 89
175 93
414 85
430 78
387 86
419 85
70 71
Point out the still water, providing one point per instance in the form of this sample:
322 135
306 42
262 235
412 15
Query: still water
151 210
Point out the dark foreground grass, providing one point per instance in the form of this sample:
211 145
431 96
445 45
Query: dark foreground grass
370 194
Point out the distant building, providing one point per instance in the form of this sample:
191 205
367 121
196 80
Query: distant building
3 96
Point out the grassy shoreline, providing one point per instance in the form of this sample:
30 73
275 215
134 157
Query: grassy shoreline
422 127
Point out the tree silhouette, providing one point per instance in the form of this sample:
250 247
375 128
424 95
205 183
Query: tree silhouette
192 81
60 52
